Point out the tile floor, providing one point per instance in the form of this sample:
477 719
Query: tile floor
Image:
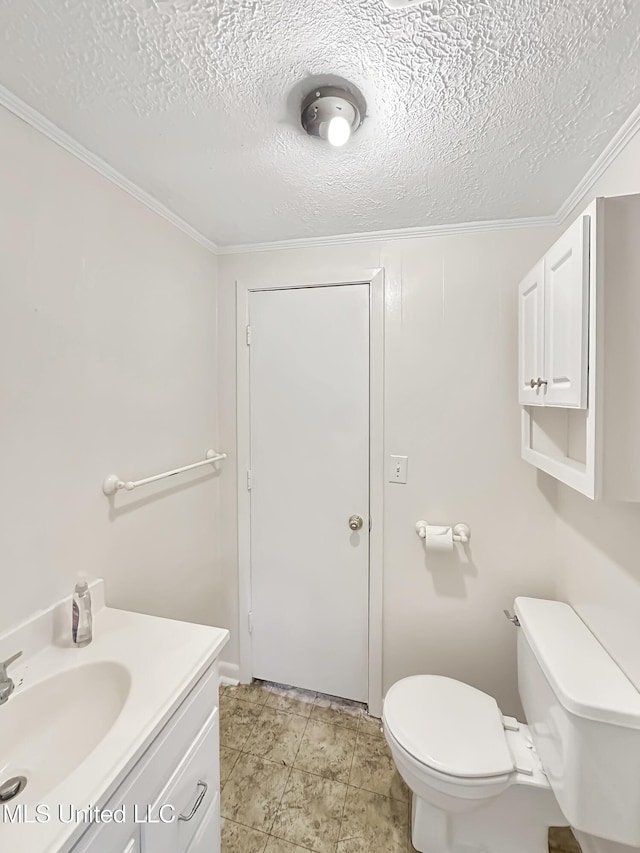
301 771
561 840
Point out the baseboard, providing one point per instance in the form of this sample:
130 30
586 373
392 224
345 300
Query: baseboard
229 673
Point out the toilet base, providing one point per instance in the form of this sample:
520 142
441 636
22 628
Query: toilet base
517 821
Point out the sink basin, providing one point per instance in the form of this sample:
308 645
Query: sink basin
47 730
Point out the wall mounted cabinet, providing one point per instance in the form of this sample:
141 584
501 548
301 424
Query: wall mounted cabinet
553 312
579 352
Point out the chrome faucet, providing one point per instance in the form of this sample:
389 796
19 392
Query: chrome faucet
6 684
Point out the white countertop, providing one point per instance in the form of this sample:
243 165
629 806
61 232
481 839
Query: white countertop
164 659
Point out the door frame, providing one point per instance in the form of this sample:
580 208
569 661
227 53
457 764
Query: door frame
287 281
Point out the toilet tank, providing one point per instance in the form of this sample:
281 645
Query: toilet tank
584 716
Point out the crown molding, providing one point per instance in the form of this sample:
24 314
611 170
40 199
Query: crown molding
615 145
613 148
393 234
32 117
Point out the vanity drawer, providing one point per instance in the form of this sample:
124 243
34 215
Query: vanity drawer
189 795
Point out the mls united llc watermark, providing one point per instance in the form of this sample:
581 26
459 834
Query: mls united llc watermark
44 813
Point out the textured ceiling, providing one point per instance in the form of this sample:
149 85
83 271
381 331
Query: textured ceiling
477 109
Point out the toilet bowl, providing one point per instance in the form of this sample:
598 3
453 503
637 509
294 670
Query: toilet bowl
461 757
484 783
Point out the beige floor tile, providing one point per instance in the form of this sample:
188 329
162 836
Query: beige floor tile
228 758
362 845
256 692
276 736
253 791
310 812
562 839
237 719
375 820
371 726
291 700
374 770
337 712
326 750
242 839
279 845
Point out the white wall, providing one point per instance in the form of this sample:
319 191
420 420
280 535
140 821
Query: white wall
599 543
451 406
107 364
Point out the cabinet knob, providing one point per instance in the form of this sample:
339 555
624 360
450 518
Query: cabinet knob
537 383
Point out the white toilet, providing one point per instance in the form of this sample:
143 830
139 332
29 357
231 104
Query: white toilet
484 783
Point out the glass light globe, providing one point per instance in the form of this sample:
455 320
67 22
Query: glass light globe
339 131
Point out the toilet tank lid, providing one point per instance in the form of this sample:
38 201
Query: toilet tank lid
582 674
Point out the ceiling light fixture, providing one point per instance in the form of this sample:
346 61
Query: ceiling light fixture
332 113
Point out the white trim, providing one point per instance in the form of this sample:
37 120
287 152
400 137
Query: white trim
229 673
575 474
375 278
376 490
613 148
32 117
394 234
602 163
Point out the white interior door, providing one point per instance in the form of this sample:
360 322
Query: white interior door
531 337
566 306
309 375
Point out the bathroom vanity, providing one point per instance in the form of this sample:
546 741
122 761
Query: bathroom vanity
117 742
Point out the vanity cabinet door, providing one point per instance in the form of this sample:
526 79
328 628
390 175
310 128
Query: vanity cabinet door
566 316
207 838
112 838
531 337
190 799
134 844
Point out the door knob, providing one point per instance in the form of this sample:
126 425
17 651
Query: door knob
355 522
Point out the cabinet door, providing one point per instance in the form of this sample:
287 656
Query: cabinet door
207 838
191 793
133 845
566 315
531 337
111 838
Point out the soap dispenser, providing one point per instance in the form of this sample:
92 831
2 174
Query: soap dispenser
81 618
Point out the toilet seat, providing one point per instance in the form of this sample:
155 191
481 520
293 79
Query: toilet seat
449 727
453 793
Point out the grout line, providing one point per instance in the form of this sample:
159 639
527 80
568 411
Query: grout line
246 825
246 740
376 794
287 782
344 805
335 724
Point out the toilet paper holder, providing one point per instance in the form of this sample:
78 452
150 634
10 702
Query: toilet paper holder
461 531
